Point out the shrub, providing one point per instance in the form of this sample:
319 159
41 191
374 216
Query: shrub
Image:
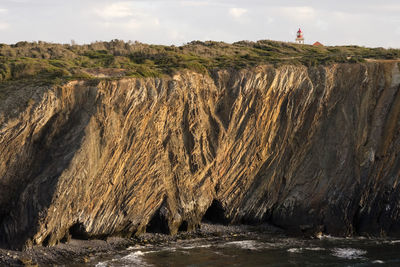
45 60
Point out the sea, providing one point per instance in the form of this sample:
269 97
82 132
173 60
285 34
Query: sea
273 250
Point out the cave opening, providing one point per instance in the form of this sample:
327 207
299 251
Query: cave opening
45 242
158 223
183 227
78 231
215 214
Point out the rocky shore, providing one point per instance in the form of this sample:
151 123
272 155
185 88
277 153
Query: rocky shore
72 253
85 252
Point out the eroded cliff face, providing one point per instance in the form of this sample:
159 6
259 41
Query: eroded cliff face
306 149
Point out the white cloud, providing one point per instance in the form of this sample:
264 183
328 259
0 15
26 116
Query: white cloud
299 13
3 10
237 12
195 3
385 7
342 15
141 22
270 20
138 21
116 10
4 26
127 16
322 25
176 36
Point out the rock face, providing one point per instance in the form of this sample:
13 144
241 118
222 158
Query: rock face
306 149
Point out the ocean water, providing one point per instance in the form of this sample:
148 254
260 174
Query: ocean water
263 251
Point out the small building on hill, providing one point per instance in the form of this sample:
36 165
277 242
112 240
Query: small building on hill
318 44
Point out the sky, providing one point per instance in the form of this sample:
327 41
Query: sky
372 23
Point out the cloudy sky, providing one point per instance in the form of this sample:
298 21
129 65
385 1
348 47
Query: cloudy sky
362 22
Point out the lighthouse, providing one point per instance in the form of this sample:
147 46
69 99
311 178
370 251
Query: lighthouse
299 37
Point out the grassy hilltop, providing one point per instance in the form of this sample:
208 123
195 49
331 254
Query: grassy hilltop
52 63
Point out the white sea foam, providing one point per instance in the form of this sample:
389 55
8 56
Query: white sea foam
134 254
294 250
348 253
299 250
315 248
391 242
169 249
135 259
136 247
193 247
245 244
378 262
132 259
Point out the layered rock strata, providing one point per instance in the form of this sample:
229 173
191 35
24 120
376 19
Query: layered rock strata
306 149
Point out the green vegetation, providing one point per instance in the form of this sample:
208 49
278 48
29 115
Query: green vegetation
51 63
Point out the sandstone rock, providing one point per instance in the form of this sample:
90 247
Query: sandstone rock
292 146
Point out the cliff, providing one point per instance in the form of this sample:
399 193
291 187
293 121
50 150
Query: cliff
307 149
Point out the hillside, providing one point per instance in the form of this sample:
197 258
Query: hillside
54 63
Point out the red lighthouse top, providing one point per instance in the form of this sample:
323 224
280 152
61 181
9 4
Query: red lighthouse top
299 33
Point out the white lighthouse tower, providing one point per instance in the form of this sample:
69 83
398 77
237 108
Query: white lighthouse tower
299 37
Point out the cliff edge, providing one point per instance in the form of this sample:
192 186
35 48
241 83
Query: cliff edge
307 149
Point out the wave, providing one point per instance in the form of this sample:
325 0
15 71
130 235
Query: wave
299 250
194 247
245 244
294 250
348 253
132 259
